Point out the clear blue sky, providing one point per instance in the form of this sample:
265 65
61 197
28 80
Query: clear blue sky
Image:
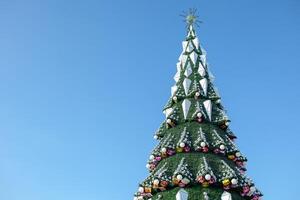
83 84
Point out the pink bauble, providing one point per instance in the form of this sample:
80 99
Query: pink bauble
158 158
170 152
181 184
187 148
246 189
205 149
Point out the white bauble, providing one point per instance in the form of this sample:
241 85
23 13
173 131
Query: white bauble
156 182
227 123
199 114
234 181
197 94
175 98
169 121
141 189
252 189
202 144
222 146
147 166
218 101
182 144
237 154
155 137
163 150
179 177
207 177
151 157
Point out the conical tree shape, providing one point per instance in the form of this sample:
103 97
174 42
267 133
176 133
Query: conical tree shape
196 158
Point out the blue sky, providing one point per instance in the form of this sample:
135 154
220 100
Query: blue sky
83 84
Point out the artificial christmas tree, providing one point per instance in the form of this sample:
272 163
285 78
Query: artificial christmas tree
196 158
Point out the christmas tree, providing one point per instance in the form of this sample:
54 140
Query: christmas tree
196 158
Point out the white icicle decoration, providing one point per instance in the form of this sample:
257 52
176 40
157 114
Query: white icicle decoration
201 69
177 76
186 85
194 57
203 83
188 70
173 90
196 42
208 108
186 107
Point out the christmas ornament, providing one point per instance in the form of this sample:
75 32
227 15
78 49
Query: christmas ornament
201 69
226 182
203 83
186 148
158 158
207 177
188 70
170 152
156 182
179 177
234 181
199 114
177 76
186 85
164 183
205 184
174 90
179 149
222 146
208 108
148 190
141 189
186 107
193 57
252 189
175 98
168 112
170 123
